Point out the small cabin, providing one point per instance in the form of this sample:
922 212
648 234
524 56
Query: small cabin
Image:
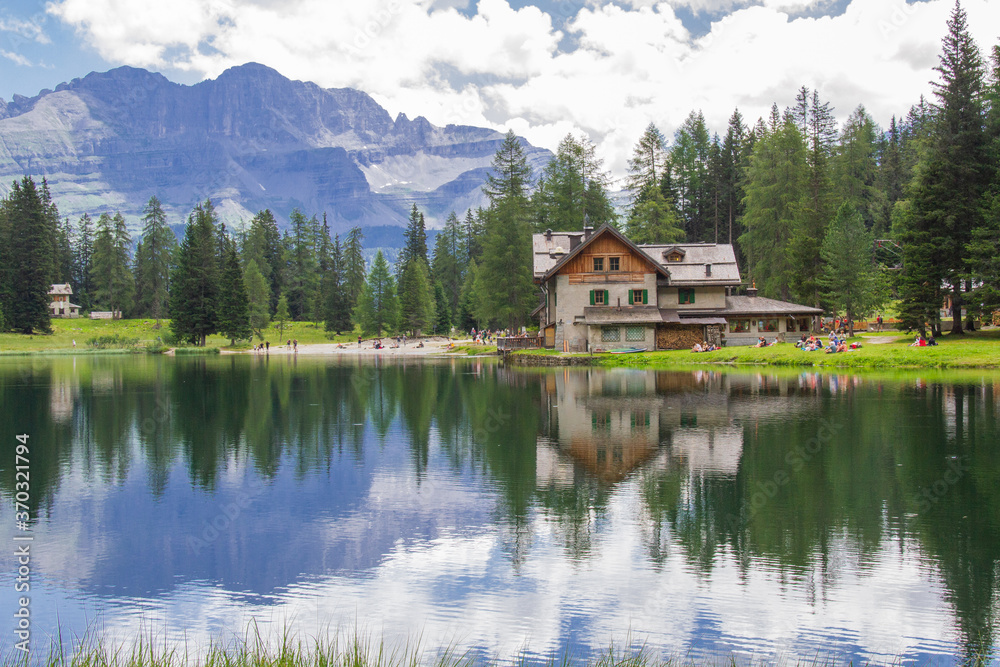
59 303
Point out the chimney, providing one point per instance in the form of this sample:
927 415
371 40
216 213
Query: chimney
708 270
587 231
752 290
548 234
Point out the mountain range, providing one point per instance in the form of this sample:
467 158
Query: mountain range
249 139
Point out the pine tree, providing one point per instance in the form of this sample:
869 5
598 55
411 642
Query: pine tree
689 167
194 290
855 166
442 309
448 266
28 259
850 281
416 298
234 309
83 251
377 308
953 176
154 262
263 244
573 188
281 315
111 273
354 266
302 278
775 190
337 311
654 220
258 298
647 164
415 241
506 270
467 316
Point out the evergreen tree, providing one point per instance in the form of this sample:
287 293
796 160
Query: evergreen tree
416 298
855 166
984 260
850 281
689 169
63 259
467 312
83 251
337 311
154 262
52 225
234 308
258 298
449 261
263 244
734 156
111 273
953 176
354 266
442 309
303 277
647 165
281 315
654 220
573 188
28 259
415 241
775 190
506 270
475 230
194 290
377 308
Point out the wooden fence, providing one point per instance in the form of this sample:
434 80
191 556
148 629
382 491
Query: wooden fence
507 343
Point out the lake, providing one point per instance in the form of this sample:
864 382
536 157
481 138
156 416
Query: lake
504 511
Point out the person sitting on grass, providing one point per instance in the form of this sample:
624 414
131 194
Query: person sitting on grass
761 342
931 340
918 342
697 348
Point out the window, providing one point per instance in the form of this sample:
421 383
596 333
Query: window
598 264
790 324
610 334
600 422
634 334
804 324
613 263
769 325
674 257
637 296
739 326
685 295
598 297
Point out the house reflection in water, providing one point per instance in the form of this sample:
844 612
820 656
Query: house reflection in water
610 423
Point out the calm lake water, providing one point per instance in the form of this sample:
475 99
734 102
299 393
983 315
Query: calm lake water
507 511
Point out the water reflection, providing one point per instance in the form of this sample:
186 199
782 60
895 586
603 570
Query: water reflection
706 511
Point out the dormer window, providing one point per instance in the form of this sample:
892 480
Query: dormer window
675 257
598 264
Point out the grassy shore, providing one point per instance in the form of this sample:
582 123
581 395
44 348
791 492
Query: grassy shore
145 333
980 349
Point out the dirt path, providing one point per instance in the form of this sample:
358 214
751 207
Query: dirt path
881 340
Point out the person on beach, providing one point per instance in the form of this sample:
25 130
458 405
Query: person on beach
267 346
359 341
295 345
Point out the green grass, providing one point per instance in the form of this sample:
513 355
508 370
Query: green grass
365 650
980 349
473 349
64 332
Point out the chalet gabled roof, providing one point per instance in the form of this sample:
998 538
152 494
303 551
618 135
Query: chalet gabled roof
600 231
65 288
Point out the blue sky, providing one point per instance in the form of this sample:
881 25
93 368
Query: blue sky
545 68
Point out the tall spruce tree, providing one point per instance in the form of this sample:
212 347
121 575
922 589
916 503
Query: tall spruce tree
154 262
448 264
354 266
850 281
506 270
415 241
263 244
194 293
689 170
416 299
234 308
114 283
28 259
83 252
378 308
258 298
947 194
302 265
336 310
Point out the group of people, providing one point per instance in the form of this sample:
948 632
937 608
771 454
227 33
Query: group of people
921 342
487 336
762 342
264 347
704 347
836 343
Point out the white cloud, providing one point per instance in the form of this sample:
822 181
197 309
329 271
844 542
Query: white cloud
634 62
16 58
28 29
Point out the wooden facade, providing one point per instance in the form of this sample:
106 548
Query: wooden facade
631 267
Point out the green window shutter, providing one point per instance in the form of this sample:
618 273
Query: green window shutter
645 296
691 296
607 299
630 297
591 297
